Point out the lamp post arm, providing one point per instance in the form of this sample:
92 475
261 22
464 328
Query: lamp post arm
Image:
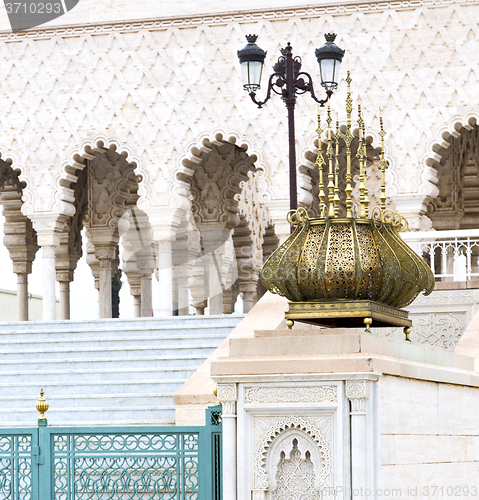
271 85
307 86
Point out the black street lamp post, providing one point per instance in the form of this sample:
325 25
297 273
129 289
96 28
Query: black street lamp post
288 81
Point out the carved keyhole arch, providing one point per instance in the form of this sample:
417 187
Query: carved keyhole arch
457 167
296 477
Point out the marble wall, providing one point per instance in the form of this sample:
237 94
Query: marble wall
429 439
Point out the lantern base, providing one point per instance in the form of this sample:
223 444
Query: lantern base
347 314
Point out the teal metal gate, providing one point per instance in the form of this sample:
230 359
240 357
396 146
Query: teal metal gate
112 463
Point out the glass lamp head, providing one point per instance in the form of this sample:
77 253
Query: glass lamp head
329 58
251 60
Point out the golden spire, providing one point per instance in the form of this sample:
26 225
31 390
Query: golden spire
383 165
320 165
330 156
360 157
365 173
337 136
348 139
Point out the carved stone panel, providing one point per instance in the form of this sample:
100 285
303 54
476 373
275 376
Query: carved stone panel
292 452
326 393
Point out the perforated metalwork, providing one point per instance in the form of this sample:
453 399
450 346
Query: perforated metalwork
16 467
279 273
332 259
371 270
112 466
340 267
309 280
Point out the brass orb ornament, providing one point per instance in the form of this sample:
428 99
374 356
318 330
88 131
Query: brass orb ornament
339 270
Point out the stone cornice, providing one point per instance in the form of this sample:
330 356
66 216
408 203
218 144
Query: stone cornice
339 7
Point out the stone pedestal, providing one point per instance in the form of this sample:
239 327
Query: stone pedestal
309 413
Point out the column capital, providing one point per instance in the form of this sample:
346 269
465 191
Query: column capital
105 252
48 227
227 394
357 391
65 276
22 267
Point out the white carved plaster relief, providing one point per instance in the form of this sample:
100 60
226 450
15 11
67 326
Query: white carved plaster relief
69 59
258 395
357 391
271 433
296 470
227 395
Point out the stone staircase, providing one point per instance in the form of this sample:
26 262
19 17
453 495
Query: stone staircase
108 372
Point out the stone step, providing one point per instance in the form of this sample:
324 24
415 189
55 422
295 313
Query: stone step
140 385
104 362
48 375
118 350
86 401
104 415
108 372
73 341
145 325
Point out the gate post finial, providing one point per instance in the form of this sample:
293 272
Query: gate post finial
42 406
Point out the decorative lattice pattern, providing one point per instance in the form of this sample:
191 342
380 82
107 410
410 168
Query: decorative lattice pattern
112 466
16 467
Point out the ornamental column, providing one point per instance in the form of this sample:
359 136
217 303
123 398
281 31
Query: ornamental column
165 277
134 280
49 228
22 296
214 237
20 240
64 278
105 256
249 290
146 266
362 437
228 395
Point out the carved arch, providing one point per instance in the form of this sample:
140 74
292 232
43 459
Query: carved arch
179 190
286 424
453 156
436 146
13 159
63 193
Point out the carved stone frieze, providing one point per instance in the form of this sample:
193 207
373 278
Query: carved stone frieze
439 319
258 395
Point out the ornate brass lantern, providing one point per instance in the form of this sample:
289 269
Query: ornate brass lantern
341 271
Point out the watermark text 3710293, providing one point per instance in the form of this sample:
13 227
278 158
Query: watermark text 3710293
25 14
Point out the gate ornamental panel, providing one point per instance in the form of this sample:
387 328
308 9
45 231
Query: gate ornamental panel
112 463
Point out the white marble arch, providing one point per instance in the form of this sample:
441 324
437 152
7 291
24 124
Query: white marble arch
179 191
86 150
312 433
